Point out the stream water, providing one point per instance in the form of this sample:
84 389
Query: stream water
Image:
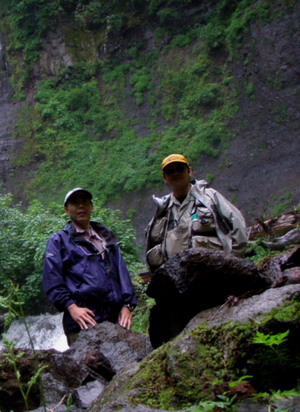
45 330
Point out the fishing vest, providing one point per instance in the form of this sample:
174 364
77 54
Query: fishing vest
209 220
185 225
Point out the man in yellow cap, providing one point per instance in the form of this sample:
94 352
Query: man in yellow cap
193 215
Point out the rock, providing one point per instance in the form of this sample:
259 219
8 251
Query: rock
213 349
82 372
85 395
274 267
194 280
246 309
110 348
122 406
112 398
60 408
115 388
250 405
54 389
289 277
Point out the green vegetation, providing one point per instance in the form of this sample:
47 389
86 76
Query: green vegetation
284 203
14 309
13 359
226 403
271 340
142 313
103 119
279 204
259 253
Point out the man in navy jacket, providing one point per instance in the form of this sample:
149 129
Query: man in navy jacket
84 273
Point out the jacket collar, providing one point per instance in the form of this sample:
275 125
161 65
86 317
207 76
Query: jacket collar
103 231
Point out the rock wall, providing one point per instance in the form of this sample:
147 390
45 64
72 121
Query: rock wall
8 115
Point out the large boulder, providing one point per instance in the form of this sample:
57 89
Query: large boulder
194 280
215 350
98 354
107 348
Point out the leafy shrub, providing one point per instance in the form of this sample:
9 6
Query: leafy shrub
141 80
181 40
168 16
213 35
240 19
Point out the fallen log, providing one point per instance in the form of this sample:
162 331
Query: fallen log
276 226
279 243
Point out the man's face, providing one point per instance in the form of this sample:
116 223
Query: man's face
177 175
79 208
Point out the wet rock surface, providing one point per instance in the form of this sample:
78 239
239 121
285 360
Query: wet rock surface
82 371
194 280
184 366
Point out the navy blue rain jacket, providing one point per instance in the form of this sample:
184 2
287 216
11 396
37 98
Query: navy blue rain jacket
75 272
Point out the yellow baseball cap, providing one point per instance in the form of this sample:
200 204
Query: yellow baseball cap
174 158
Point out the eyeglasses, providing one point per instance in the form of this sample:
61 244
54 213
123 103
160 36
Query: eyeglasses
175 169
79 201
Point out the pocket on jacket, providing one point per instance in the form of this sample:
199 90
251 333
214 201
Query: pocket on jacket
208 242
158 229
206 222
156 256
177 240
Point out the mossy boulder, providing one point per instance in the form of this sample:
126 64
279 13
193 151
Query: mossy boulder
216 351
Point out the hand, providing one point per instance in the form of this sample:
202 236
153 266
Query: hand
125 318
83 316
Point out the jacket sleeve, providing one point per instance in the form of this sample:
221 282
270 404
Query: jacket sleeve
234 220
54 285
127 289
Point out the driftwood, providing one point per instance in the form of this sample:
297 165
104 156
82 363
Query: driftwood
276 226
279 243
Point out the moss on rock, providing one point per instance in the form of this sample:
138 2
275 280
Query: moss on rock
192 368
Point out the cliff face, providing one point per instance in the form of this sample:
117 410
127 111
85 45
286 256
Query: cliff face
8 116
263 156
259 167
